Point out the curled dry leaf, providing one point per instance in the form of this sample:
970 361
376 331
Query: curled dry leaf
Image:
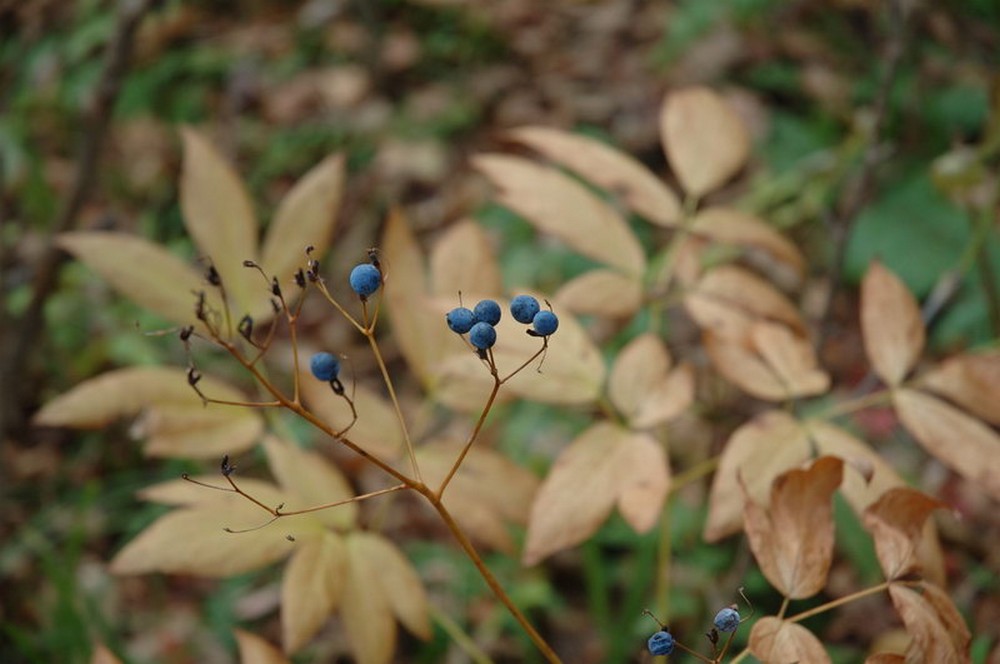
488 493
255 650
892 329
609 169
896 521
758 452
933 625
792 538
600 292
463 261
703 138
175 418
960 441
731 226
791 358
773 640
603 465
971 380
311 588
557 204
727 300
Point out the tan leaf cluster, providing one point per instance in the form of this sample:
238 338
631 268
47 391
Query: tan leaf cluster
792 536
219 217
644 385
173 421
604 466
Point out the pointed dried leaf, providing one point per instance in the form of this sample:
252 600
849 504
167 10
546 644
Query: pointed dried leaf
463 261
486 494
398 582
792 538
731 226
703 138
729 299
311 587
305 217
255 650
971 380
740 364
791 358
608 168
890 324
961 442
641 364
932 641
197 431
667 399
948 614
102 655
594 472
645 479
219 217
896 521
758 451
776 640
312 480
600 292
559 205
365 610
143 272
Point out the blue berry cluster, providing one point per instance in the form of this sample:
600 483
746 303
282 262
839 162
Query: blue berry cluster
480 321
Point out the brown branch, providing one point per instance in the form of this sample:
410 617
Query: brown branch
28 330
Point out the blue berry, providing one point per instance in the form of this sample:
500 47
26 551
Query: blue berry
727 620
487 311
661 643
523 308
545 323
482 335
460 320
324 366
365 279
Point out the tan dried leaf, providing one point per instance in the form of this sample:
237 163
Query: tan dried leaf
960 441
666 399
896 521
641 364
102 655
311 587
885 658
608 168
219 217
891 326
740 364
971 380
603 465
365 610
792 538
731 226
175 418
948 614
758 451
728 300
143 272
488 492
398 582
305 217
182 492
559 205
776 641
600 292
313 481
463 261
255 650
791 358
703 138
932 639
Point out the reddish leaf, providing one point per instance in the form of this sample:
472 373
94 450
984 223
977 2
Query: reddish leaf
896 521
703 138
776 640
792 538
962 442
891 325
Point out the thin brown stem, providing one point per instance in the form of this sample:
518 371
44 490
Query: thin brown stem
370 335
822 608
472 437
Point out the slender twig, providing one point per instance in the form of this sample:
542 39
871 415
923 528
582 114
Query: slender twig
472 437
410 451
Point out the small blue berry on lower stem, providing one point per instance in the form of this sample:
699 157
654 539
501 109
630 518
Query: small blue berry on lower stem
727 620
324 366
661 643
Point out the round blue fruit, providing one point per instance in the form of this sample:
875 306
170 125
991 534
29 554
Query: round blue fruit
487 311
365 279
545 323
523 308
460 320
324 366
727 620
482 335
661 643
